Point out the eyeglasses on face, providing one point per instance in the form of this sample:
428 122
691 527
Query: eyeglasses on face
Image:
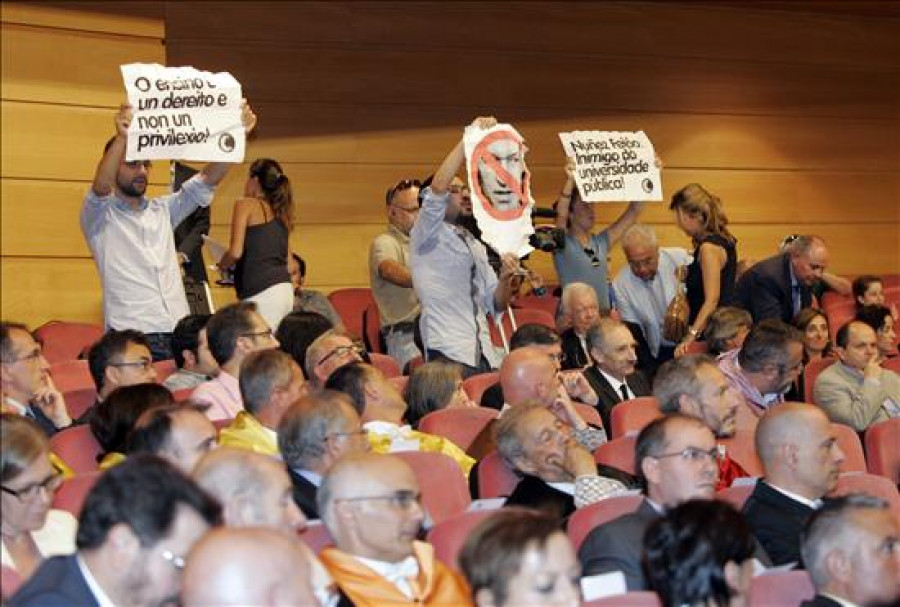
49 485
30 357
402 500
694 454
341 351
360 432
144 363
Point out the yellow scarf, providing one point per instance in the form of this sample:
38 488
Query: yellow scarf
245 432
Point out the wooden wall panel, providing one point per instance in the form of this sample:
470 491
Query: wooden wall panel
83 74
60 87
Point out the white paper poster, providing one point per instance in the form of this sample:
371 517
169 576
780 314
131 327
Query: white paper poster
613 166
180 113
500 186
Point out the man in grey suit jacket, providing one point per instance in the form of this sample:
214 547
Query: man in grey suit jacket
677 456
856 391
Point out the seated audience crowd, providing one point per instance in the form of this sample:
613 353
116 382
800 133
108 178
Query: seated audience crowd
212 459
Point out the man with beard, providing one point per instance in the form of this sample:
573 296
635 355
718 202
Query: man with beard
694 385
801 459
131 238
138 523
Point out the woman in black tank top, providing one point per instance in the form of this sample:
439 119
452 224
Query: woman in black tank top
711 275
260 230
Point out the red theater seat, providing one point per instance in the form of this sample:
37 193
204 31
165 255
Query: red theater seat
449 536
584 520
445 492
461 425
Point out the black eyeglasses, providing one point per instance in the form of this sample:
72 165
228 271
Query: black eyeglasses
694 454
401 185
144 363
341 351
402 500
49 485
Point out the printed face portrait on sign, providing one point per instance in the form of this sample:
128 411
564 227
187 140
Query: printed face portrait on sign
498 175
500 187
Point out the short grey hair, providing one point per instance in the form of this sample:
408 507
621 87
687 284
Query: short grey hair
677 378
828 528
509 440
723 325
573 289
263 372
306 424
598 333
317 351
639 233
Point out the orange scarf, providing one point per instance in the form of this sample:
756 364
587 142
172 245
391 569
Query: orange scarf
435 585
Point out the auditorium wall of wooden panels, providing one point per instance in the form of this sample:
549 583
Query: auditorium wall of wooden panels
791 116
60 87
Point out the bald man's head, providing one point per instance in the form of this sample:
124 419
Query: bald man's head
254 489
248 566
798 449
370 504
528 374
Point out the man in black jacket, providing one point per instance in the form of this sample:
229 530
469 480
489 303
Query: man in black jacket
780 286
801 460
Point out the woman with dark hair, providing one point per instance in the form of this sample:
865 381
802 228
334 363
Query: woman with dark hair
116 415
31 530
712 273
814 325
700 554
521 557
434 386
882 322
260 229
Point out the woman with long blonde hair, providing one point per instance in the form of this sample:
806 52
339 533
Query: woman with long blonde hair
711 275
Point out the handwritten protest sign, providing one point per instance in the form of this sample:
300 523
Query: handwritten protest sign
613 165
183 114
500 185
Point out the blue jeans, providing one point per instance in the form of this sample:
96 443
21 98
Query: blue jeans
160 346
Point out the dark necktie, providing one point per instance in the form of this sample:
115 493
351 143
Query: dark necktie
798 298
624 388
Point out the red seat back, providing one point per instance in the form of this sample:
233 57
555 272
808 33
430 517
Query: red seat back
316 536
372 329
350 305
618 453
495 479
863 482
63 340
630 416
848 441
385 364
458 424
883 449
584 520
781 589
164 368
523 316
532 302
79 401
589 414
71 494
71 375
449 536
182 395
445 492
77 447
477 384
811 372
892 364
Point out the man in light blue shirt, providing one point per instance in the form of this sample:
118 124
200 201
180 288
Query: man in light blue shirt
132 241
454 282
646 286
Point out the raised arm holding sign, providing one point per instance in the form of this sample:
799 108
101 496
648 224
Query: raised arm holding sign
131 236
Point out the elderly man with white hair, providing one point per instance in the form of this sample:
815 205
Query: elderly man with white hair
644 288
580 309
